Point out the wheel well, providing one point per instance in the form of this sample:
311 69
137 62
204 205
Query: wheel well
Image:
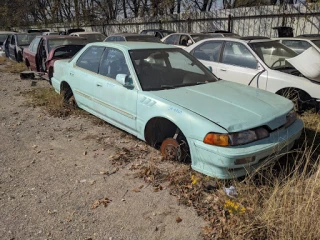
158 129
65 89
284 91
50 72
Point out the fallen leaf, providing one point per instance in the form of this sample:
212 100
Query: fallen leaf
84 153
141 186
103 201
135 190
178 219
103 173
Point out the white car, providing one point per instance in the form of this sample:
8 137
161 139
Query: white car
182 40
258 62
90 36
300 44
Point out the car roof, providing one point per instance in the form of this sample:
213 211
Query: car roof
298 38
130 34
48 37
237 40
160 30
133 45
6 32
80 33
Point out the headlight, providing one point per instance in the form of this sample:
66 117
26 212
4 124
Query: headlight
291 118
235 139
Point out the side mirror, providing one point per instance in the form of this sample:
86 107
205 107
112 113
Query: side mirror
189 42
125 80
210 68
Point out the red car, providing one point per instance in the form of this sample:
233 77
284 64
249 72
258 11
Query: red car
43 51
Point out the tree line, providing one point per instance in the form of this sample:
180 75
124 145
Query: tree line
77 12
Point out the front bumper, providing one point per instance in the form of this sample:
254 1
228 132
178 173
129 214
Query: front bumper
220 161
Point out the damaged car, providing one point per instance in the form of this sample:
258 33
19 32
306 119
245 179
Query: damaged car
166 97
45 50
262 63
16 43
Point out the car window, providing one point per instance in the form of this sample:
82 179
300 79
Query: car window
184 40
112 63
297 45
239 55
34 45
168 68
120 39
90 59
173 39
209 51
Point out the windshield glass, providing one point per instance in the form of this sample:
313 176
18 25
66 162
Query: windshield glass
93 37
142 38
3 37
166 33
168 68
316 42
200 37
25 39
52 43
273 53
67 51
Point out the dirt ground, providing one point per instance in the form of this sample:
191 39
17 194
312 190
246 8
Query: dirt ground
54 170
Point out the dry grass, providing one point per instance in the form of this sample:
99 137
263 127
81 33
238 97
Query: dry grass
281 201
3 60
12 67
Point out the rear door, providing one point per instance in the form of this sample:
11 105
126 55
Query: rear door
83 77
30 54
239 65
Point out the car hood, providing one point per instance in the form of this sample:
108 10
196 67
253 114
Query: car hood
235 107
308 63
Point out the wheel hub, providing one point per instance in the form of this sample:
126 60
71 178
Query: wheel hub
170 149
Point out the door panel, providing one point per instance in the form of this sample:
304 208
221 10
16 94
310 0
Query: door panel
240 66
84 76
116 102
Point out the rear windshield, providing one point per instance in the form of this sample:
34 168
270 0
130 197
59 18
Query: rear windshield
93 37
200 37
3 37
142 38
26 39
52 43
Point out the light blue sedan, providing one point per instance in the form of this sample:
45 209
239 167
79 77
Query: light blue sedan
166 97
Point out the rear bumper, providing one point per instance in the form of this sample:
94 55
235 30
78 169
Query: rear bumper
220 161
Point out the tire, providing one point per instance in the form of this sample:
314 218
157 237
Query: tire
50 75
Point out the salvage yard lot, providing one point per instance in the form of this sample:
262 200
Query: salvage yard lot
65 174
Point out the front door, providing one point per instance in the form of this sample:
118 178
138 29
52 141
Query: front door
239 65
116 102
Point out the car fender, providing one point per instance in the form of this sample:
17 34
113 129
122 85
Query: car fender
150 106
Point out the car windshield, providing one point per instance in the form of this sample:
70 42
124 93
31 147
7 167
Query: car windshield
93 37
143 38
52 43
67 51
25 39
3 37
166 33
168 68
273 53
316 42
200 37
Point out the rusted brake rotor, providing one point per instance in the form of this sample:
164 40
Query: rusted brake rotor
170 149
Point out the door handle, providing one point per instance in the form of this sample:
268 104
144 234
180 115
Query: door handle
223 70
99 85
71 74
